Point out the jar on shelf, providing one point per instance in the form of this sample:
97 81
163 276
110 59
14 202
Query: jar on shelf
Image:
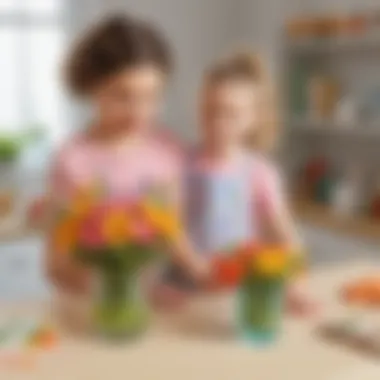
345 198
323 97
326 26
301 27
355 24
374 207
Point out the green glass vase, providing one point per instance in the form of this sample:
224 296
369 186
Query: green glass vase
261 302
120 310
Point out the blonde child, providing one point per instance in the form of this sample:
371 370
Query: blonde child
232 190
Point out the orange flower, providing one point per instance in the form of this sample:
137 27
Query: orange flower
163 219
65 234
246 252
116 227
170 226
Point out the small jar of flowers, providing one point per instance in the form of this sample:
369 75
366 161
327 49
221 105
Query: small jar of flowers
260 274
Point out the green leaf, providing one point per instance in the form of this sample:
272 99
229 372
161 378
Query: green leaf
10 148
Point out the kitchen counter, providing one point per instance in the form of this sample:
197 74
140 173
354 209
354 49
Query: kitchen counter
197 344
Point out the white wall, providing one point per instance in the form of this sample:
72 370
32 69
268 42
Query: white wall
263 22
342 5
199 30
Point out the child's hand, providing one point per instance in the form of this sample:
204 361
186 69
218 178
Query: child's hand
204 274
67 275
301 304
168 297
200 270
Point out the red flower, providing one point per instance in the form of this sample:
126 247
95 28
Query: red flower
228 271
245 252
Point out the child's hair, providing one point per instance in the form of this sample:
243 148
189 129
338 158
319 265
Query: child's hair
249 68
116 43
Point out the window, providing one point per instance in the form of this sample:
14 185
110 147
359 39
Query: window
31 46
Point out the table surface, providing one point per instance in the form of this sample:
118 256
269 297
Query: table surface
197 344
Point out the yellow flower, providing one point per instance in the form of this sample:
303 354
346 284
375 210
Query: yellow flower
115 227
271 262
65 234
163 219
152 211
170 226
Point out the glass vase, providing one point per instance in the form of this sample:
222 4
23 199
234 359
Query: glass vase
120 310
261 302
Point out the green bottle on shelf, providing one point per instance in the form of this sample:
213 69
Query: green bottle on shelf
298 90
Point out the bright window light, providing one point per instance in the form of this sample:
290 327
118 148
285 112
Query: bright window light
31 51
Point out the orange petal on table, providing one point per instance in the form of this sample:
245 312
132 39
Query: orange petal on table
48 340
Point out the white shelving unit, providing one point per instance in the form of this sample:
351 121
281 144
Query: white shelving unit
307 135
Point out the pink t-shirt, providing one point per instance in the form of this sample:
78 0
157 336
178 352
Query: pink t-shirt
269 190
80 162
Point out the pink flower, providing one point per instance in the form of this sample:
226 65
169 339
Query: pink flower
142 232
90 234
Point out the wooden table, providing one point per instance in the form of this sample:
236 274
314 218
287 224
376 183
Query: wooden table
171 351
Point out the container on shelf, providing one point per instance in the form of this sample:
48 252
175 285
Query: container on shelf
347 111
324 189
298 90
326 26
312 172
331 25
374 207
301 27
354 25
345 197
323 97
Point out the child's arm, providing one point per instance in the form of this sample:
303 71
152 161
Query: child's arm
277 220
183 251
281 226
60 268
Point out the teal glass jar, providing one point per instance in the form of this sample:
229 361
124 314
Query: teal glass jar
261 304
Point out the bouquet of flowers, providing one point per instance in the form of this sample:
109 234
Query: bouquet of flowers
117 237
260 273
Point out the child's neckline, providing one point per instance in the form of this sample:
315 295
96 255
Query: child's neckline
229 163
125 145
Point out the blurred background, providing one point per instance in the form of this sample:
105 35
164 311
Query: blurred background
324 57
